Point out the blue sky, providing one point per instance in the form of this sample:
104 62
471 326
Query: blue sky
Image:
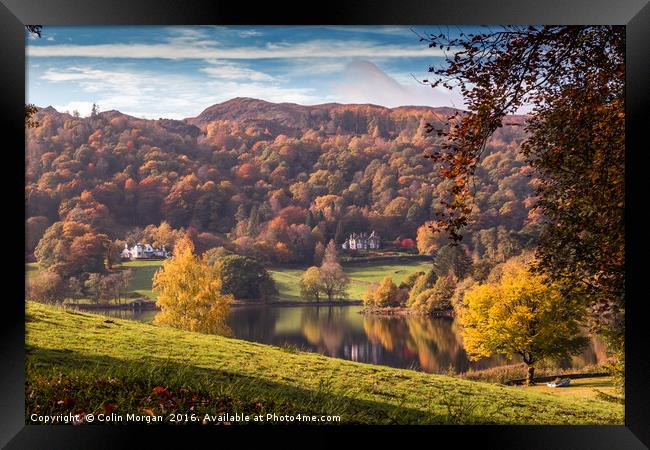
176 72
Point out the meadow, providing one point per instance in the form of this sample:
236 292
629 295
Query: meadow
287 279
362 276
85 362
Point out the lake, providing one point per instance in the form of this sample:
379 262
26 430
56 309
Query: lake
414 342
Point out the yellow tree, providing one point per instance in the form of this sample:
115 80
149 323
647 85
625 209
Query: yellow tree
386 294
311 284
189 293
519 314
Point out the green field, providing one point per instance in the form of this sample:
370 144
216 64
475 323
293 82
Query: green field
140 284
287 280
143 276
362 276
85 362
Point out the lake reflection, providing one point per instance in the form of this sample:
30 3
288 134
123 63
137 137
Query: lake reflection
422 343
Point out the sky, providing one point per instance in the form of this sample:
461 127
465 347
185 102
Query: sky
176 72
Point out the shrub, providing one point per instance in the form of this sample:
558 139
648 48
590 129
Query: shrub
437 298
46 287
245 278
386 294
422 283
410 280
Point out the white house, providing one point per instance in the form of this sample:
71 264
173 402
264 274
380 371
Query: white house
146 251
362 241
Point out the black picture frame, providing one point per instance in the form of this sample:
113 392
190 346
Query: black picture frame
14 14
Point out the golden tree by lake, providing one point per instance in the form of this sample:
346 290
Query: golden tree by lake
189 293
520 314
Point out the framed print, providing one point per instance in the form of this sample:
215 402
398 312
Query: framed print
395 220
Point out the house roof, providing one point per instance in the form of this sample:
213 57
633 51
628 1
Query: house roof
364 235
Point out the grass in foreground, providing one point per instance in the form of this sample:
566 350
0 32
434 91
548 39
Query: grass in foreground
84 362
580 388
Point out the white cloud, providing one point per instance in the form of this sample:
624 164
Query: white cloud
185 48
250 33
83 108
190 37
177 96
385 30
364 82
154 95
234 72
269 92
308 67
96 80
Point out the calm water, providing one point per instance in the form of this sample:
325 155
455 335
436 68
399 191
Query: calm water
421 343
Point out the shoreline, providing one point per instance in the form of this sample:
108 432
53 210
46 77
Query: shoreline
403 311
297 303
150 305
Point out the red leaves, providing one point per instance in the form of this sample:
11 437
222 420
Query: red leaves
109 407
162 391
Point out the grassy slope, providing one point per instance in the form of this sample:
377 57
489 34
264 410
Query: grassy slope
580 388
130 358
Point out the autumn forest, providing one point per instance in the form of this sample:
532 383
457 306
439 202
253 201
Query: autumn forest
270 180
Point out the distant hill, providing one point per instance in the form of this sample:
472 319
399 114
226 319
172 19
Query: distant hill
291 116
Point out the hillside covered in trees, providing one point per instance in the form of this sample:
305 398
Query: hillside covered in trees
272 181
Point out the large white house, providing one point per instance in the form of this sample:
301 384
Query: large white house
146 251
362 241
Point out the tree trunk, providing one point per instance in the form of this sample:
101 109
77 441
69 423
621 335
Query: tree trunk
529 376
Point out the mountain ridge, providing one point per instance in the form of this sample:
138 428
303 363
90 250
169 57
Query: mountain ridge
228 109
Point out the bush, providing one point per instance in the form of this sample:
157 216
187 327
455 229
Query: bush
435 299
410 280
212 255
46 287
245 278
421 284
386 294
